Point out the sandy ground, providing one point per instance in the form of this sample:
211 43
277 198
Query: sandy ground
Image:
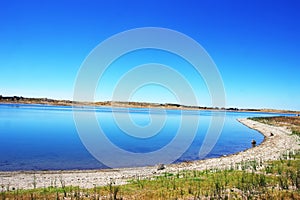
271 149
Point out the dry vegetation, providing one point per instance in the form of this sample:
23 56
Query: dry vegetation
292 123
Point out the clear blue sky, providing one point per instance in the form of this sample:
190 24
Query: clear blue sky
255 45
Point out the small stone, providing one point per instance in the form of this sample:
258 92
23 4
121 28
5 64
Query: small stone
161 167
253 142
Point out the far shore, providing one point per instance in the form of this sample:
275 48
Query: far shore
280 142
121 104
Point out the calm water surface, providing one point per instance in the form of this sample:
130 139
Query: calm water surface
35 137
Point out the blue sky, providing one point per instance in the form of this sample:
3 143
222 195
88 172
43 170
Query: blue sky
255 45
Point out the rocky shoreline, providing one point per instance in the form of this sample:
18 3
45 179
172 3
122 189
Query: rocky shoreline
278 140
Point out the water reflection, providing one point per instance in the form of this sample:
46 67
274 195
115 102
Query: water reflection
35 137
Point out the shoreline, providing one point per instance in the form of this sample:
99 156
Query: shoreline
137 105
271 148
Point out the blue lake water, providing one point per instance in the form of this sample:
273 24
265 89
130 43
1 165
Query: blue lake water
37 137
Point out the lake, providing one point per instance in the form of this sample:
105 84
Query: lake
39 137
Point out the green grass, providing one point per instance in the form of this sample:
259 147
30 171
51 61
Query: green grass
278 180
296 132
